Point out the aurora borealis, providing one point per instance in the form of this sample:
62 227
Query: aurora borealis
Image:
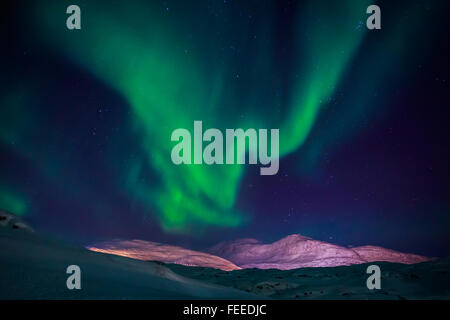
86 118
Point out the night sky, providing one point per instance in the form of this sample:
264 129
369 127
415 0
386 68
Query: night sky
86 118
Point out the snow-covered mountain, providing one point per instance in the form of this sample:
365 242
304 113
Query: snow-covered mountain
149 251
291 252
296 251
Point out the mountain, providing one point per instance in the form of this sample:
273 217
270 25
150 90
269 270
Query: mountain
291 252
146 250
297 251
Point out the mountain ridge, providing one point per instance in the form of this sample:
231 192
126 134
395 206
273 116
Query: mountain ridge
298 251
291 252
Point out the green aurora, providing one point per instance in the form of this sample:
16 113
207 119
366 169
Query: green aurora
189 62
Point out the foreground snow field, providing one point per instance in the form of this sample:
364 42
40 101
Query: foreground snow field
34 267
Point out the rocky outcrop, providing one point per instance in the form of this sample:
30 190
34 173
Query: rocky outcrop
12 221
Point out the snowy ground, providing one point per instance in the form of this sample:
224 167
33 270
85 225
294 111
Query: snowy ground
427 280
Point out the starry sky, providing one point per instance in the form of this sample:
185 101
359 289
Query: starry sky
86 118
